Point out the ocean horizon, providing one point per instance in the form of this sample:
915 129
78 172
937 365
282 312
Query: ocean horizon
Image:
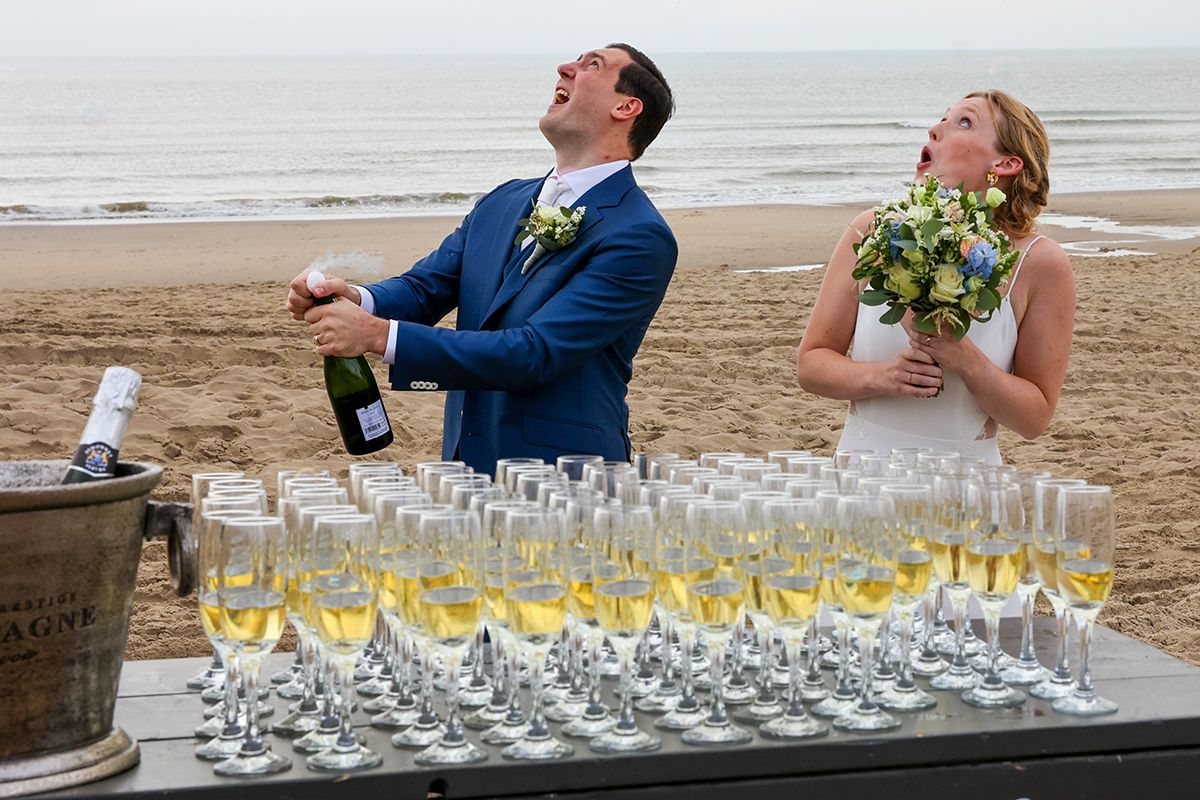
240 138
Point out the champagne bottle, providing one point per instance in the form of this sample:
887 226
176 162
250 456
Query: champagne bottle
355 397
112 407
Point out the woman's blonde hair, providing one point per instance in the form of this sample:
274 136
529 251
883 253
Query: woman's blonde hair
1019 132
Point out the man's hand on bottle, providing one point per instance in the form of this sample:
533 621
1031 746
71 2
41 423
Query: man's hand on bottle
300 300
343 329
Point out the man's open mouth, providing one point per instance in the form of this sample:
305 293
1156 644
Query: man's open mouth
561 96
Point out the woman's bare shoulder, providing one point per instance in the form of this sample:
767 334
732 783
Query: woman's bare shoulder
1049 265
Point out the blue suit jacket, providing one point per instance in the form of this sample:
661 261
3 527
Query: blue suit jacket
539 363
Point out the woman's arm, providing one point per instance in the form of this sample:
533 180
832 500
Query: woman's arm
1023 401
822 366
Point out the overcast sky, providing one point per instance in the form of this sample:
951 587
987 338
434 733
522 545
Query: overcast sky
399 27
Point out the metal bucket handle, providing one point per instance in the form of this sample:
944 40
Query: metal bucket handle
174 521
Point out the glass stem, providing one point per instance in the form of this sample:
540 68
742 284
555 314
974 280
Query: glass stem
1062 667
514 683
231 697
499 664
688 700
477 678
346 740
1083 687
764 671
667 653
537 721
991 616
595 655
960 631
795 707
866 644
304 647
904 679
1027 657
814 653
716 654
843 671
252 744
453 732
625 722
327 670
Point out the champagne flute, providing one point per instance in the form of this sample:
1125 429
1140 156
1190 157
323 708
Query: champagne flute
1026 670
252 577
914 570
344 600
866 578
791 582
450 600
225 728
843 697
714 459
782 457
847 459
623 556
503 465
1084 572
645 463
716 534
807 467
958 499
535 598
573 465
994 553
1047 532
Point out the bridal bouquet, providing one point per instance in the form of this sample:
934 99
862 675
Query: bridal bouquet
937 252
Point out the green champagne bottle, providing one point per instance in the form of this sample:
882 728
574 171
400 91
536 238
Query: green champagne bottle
355 397
112 407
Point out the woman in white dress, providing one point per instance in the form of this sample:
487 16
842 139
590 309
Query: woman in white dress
1008 371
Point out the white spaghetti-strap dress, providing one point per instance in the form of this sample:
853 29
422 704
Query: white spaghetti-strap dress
950 421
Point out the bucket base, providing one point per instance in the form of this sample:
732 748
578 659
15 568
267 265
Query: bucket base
115 753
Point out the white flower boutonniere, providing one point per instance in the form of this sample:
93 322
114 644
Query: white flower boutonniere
551 228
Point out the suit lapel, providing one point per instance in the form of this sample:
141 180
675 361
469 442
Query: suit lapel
606 194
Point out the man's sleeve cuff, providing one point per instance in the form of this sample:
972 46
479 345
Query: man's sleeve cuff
365 299
389 354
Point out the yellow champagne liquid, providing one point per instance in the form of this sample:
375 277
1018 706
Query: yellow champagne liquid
674 575
537 609
994 567
493 598
716 604
866 590
582 601
950 556
210 613
799 554
1045 563
251 616
408 590
791 600
754 579
829 588
451 612
292 601
623 607
345 620
1085 582
914 568
440 573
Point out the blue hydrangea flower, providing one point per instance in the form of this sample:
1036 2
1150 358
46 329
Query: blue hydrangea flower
981 258
893 238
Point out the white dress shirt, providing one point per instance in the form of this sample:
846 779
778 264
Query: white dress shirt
577 183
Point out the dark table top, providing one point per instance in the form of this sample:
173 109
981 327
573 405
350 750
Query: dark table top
1159 716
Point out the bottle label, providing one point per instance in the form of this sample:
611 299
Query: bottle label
373 420
96 458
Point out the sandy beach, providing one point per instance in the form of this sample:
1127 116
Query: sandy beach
231 381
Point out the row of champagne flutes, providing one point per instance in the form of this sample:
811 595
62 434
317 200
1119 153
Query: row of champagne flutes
717 474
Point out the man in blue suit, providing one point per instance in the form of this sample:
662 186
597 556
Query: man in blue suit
542 354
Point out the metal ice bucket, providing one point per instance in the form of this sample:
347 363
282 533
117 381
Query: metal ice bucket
68 561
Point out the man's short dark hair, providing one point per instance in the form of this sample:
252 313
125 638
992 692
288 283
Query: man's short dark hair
642 79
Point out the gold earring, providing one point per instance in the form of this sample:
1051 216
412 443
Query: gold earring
992 178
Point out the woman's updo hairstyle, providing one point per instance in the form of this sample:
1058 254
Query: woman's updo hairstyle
1019 132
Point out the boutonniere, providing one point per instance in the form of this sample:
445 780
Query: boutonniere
551 228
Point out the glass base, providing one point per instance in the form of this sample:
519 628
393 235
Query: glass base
220 748
914 699
712 734
927 667
990 696
206 678
540 749
297 724
506 732
739 695
287 675
644 686
955 680
218 711
1084 705
813 692
659 701
833 706
216 693
318 740
781 677
619 740
443 752
856 719
980 662
787 727
214 725
1051 689
971 647
380 703
1019 674
758 712
367 670
373 687
486 717
397 717
593 722
681 719
475 697
419 736
262 763
349 760
293 690
566 709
